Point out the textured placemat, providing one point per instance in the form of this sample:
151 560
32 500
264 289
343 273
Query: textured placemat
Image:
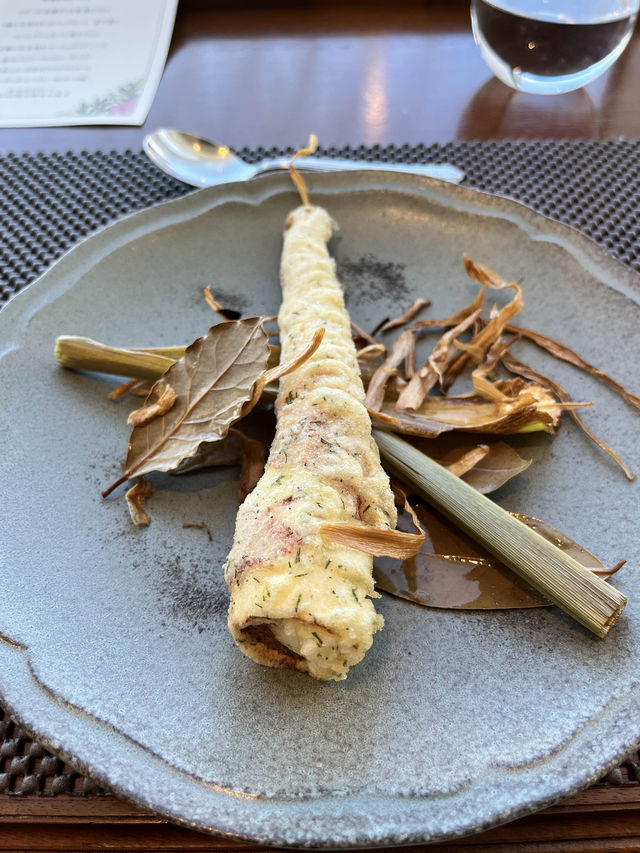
47 203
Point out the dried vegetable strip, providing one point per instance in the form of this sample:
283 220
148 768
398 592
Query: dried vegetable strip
416 306
438 364
521 369
565 354
403 349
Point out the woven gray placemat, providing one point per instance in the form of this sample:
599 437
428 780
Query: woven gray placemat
48 202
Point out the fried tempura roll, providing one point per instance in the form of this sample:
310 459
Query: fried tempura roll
298 600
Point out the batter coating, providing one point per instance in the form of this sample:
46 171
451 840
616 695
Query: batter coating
298 600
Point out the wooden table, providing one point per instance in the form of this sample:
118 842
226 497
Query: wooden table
355 73
257 73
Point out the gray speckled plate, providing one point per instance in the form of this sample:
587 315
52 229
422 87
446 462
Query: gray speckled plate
114 644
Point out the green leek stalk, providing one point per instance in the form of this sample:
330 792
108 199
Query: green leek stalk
561 579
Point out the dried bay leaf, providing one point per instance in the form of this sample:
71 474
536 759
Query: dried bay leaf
500 464
237 448
254 457
247 448
213 381
495 467
214 454
468 460
453 572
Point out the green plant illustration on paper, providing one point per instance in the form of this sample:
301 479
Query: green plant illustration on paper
120 101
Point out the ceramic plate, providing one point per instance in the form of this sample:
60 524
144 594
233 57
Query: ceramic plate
114 644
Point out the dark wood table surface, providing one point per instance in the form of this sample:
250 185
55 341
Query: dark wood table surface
250 74
355 73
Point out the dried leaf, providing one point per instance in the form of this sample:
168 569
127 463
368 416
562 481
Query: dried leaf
375 540
147 413
403 349
497 466
454 319
521 369
378 326
214 454
453 572
487 368
466 461
416 306
443 355
258 425
500 464
484 276
254 455
565 354
214 381
507 398
490 331
136 497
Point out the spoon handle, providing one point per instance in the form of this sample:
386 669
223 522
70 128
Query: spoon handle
442 171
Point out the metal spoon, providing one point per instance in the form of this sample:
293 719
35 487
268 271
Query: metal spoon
201 163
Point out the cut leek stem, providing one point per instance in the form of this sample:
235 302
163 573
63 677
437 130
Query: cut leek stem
562 580
174 353
85 354
80 353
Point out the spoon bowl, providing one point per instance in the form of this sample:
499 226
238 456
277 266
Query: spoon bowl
201 163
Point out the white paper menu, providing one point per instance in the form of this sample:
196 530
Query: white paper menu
65 62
